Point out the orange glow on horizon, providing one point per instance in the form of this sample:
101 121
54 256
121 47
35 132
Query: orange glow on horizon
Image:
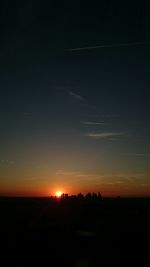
57 190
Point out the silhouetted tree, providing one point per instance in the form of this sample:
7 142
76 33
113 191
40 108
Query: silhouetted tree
99 196
89 196
94 196
80 196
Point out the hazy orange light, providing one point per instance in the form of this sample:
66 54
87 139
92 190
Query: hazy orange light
58 193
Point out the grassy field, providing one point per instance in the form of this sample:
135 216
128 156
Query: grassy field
74 232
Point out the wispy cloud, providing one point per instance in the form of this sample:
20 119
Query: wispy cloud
35 178
110 46
126 179
76 96
72 173
104 135
115 183
92 123
101 179
7 162
146 184
140 155
80 176
66 173
83 175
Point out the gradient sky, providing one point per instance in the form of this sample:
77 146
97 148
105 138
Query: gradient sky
74 120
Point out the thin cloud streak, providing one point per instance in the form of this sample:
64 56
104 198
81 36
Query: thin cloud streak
116 183
104 135
77 174
66 173
76 96
92 123
109 46
7 162
145 185
139 155
105 179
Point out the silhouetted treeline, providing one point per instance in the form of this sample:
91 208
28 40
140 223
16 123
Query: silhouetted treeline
80 196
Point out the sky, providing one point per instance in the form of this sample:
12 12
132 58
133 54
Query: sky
74 98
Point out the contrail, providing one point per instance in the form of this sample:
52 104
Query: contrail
109 46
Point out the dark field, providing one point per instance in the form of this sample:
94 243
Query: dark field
74 232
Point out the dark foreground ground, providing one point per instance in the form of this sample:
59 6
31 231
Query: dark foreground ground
82 233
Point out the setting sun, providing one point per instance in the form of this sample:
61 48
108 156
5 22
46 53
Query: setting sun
58 193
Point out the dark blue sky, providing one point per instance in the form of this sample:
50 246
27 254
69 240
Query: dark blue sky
79 120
